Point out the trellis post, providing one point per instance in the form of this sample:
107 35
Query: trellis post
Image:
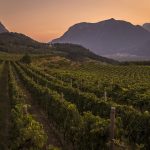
112 128
105 95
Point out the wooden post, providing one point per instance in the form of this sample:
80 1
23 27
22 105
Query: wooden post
26 109
105 95
112 127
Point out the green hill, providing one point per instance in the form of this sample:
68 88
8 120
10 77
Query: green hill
17 43
79 53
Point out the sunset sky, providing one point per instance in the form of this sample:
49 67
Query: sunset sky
44 20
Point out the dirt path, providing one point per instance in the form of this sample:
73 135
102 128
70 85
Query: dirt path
40 116
4 109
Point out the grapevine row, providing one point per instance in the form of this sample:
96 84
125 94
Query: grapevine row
130 118
25 131
84 132
122 95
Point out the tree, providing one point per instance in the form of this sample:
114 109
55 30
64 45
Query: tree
26 59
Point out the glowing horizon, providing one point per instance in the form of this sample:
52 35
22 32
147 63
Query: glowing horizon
48 19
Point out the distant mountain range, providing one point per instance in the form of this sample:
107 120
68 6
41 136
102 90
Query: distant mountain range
11 42
111 38
3 28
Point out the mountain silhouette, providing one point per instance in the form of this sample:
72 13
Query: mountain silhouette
2 28
107 37
20 43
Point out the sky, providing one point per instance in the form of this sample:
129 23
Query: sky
44 20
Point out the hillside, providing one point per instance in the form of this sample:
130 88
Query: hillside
3 28
19 43
106 38
79 53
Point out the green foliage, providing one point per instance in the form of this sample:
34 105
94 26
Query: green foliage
97 129
66 117
131 123
51 147
25 133
83 104
26 59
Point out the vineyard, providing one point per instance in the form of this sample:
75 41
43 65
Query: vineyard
86 107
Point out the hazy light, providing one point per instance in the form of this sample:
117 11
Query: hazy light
47 19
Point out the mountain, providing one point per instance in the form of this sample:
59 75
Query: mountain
146 26
20 43
79 53
107 38
2 28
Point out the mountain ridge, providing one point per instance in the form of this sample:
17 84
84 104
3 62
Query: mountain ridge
13 42
18 43
106 37
3 29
